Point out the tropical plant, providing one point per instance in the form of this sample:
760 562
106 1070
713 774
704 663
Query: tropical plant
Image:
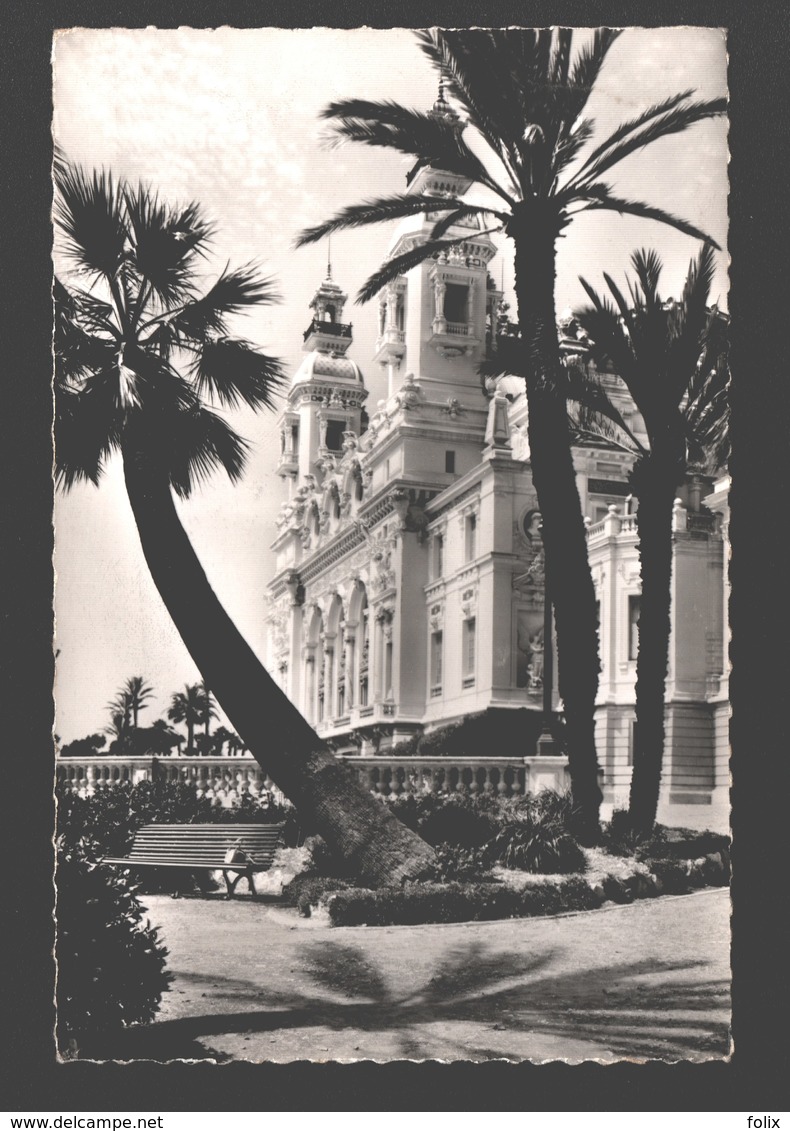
187 707
137 693
209 711
142 354
672 357
523 93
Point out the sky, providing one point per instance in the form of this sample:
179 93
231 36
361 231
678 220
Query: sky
231 118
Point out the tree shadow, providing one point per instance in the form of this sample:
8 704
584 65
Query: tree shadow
642 1009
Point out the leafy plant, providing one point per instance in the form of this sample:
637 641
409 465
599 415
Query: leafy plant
536 844
111 964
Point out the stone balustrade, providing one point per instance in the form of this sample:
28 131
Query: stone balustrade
508 777
224 779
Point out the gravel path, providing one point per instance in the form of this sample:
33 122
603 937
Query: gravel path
253 981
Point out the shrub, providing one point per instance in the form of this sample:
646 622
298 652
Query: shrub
307 890
456 903
111 964
459 819
454 863
620 838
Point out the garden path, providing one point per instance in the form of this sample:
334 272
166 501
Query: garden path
253 981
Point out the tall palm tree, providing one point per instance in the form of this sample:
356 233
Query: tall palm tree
137 692
523 94
143 351
673 360
187 707
209 711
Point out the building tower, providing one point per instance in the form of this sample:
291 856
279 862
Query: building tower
326 394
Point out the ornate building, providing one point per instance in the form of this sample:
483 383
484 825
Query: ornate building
408 590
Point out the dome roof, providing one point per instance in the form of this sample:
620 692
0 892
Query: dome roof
322 366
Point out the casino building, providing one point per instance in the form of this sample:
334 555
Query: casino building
408 591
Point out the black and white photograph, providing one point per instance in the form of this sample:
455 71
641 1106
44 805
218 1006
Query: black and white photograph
392 463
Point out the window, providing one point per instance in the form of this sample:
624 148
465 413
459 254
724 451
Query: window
468 645
456 302
294 437
437 639
449 461
633 627
438 555
388 669
471 537
334 435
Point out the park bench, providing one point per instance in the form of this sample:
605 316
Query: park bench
234 850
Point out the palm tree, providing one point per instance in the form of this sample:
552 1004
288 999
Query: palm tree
138 693
209 711
523 93
187 707
673 360
142 355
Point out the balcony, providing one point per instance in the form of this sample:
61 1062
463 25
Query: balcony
390 346
332 329
453 339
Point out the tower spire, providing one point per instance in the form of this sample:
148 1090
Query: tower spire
329 257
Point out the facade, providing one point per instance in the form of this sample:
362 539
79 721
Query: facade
408 590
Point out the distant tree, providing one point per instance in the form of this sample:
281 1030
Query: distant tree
187 707
84 747
209 710
137 693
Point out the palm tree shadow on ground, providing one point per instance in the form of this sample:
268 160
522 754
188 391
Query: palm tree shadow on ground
642 1009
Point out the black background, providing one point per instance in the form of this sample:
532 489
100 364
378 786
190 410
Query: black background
755 1079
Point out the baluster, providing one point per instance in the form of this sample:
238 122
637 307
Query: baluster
503 785
395 782
488 785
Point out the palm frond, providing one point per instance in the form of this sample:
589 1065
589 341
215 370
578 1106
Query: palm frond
464 212
608 339
164 242
89 213
399 265
599 197
676 120
431 139
690 318
586 68
201 442
233 292
86 431
648 268
377 211
569 144
633 124
506 358
466 61
232 372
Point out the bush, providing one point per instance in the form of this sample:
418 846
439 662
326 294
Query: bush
111 965
456 903
464 864
457 819
308 890
620 838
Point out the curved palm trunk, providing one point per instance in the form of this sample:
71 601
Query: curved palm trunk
568 574
657 484
190 737
327 794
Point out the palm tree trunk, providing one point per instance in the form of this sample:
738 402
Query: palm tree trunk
568 576
190 737
656 493
328 795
